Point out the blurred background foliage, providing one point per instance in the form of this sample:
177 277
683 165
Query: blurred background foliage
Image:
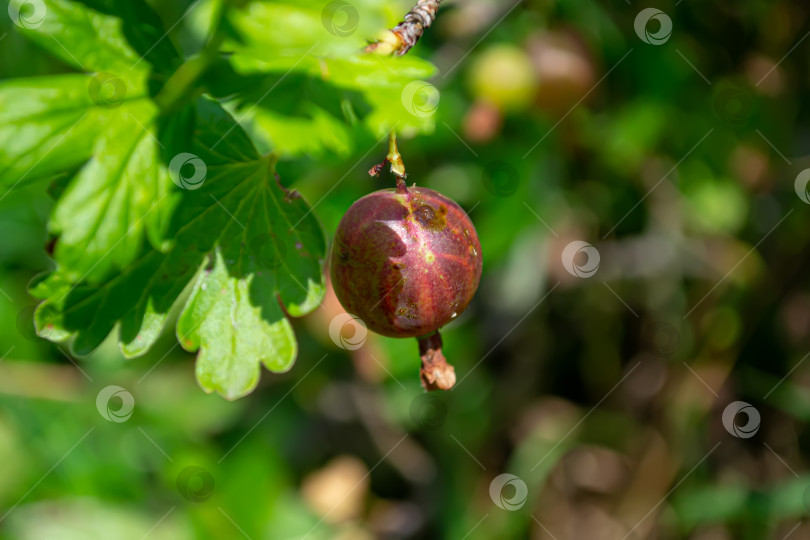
604 395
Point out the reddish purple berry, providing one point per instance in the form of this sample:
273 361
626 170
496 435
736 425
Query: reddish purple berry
407 262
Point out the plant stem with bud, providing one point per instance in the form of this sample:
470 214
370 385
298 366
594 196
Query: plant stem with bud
399 39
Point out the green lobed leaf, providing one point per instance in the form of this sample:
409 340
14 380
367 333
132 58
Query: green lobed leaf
124 38
47 124
296 44
122 192
250 243
104 120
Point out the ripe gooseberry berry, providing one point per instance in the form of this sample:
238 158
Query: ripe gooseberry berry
407 261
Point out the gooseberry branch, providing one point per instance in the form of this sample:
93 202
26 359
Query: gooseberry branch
399 39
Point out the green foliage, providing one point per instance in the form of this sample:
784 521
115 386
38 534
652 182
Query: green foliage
162 195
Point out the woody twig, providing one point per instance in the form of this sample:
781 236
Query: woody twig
399 39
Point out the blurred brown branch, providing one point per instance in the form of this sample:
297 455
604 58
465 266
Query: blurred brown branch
399 39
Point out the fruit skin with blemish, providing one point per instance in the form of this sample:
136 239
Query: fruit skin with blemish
407 261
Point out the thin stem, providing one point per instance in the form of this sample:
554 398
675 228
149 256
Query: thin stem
395 159
184 81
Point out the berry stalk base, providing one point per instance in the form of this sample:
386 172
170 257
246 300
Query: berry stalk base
436 373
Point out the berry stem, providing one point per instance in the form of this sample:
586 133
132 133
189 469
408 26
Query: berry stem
436 373
397 165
